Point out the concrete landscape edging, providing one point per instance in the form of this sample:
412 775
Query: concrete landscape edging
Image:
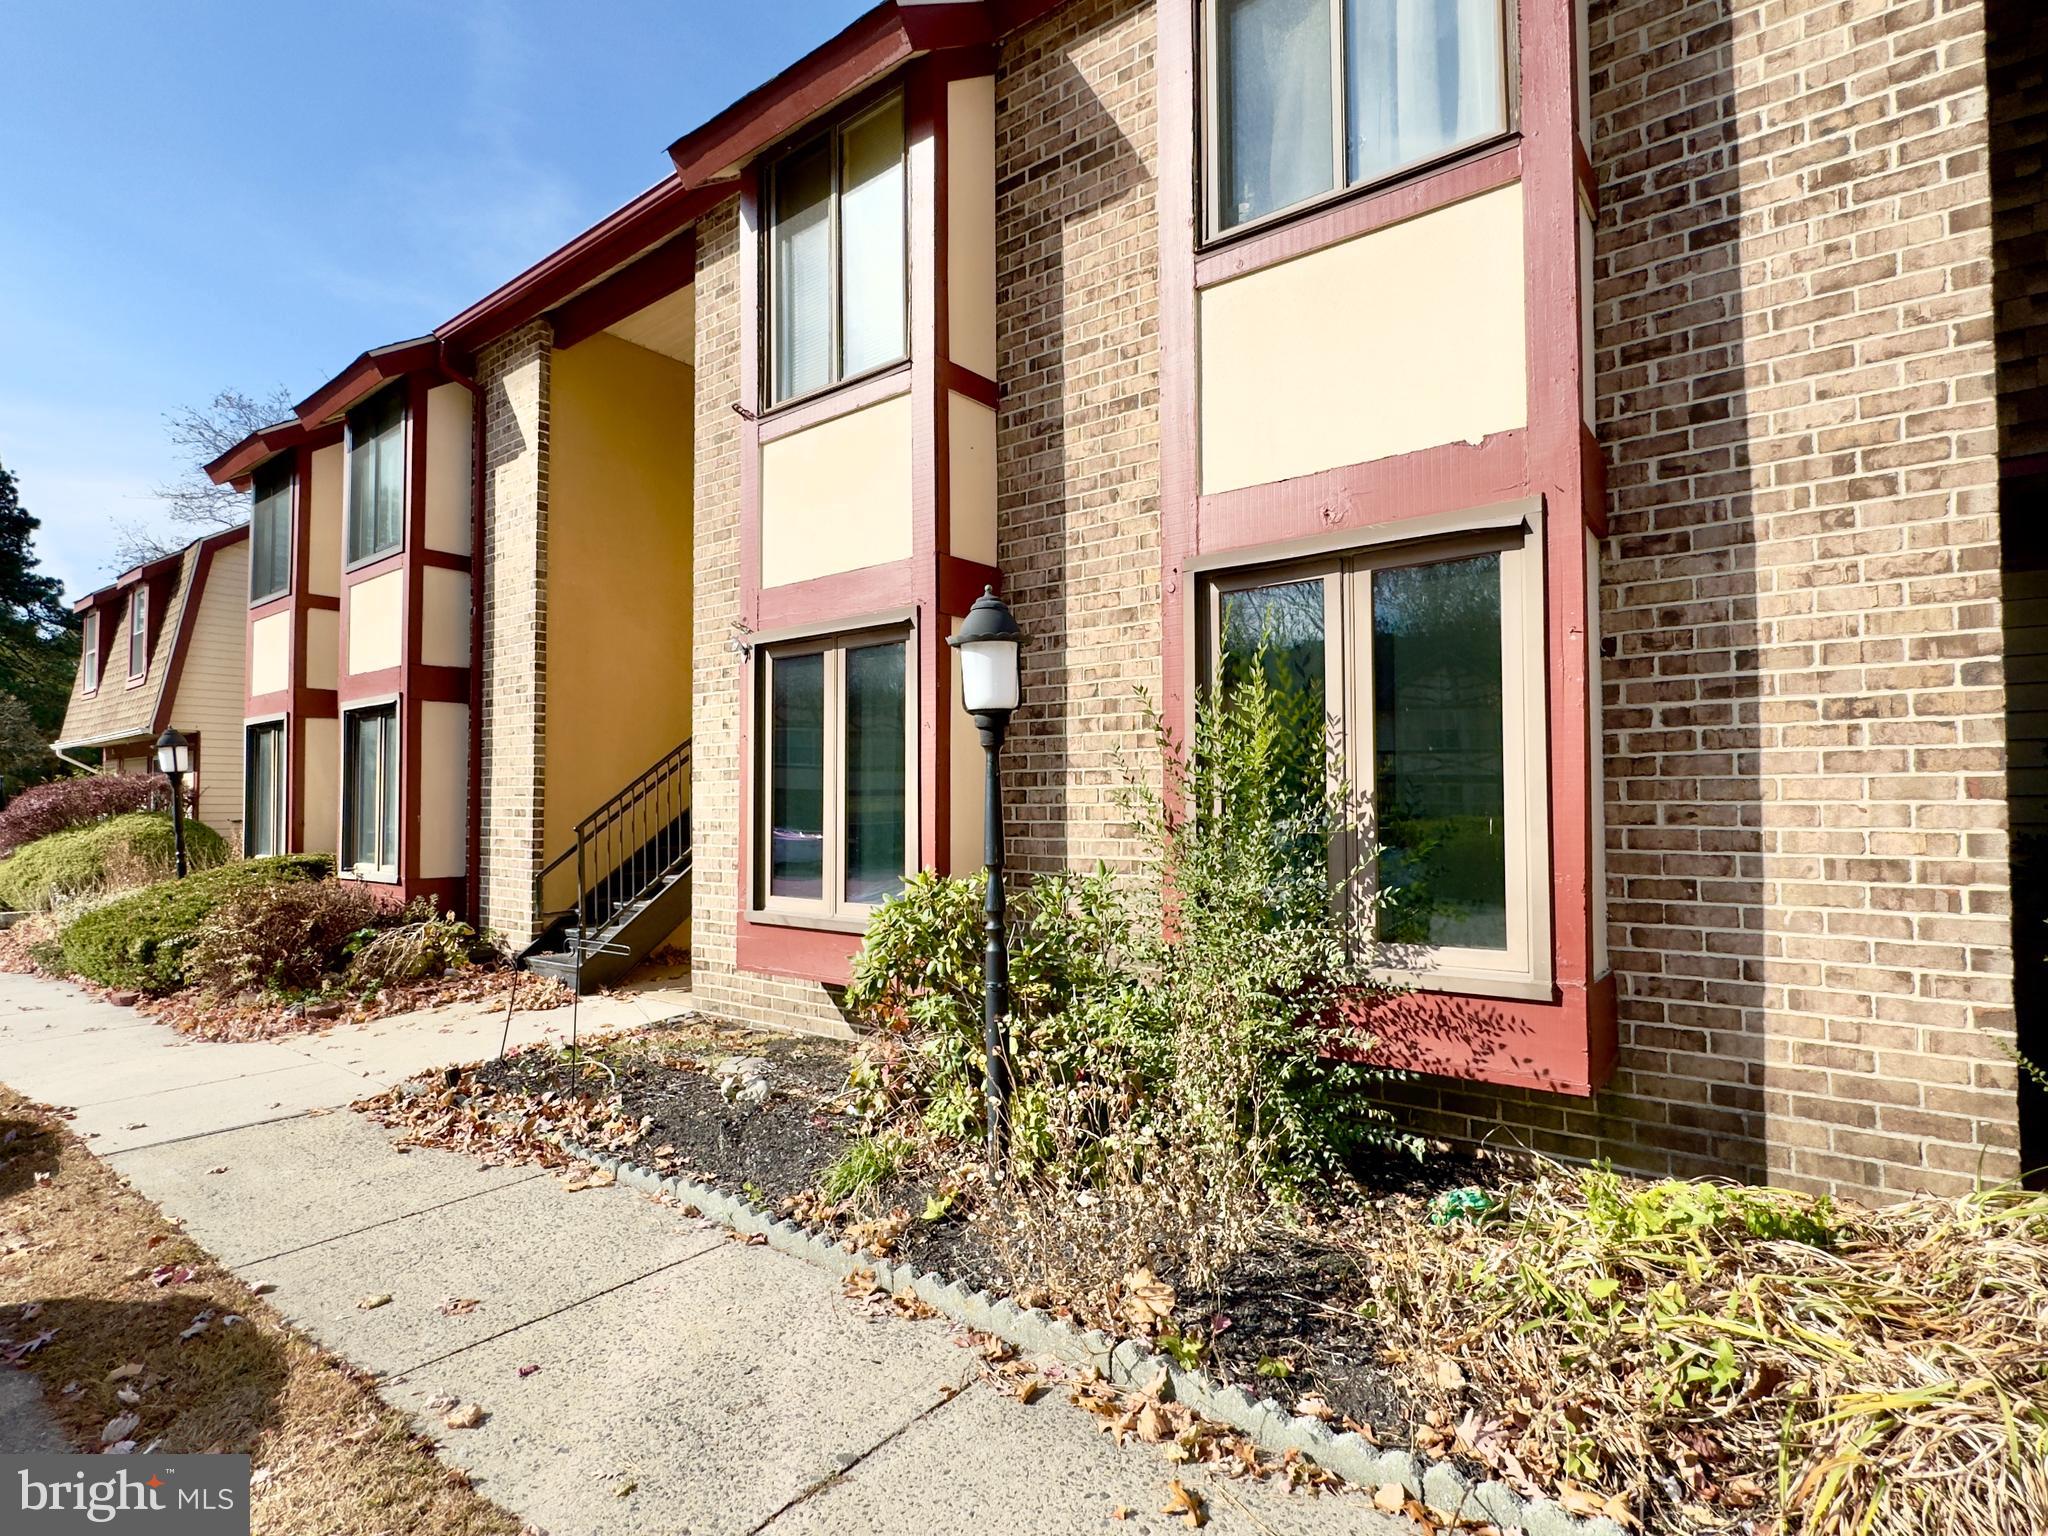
1129 1363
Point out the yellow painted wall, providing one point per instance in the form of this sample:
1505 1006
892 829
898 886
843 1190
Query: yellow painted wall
444 617
971 476
209 700
270 653
971 222
322 789
376 623
444 789
324 524
619 574
1406 338
449 441
836 497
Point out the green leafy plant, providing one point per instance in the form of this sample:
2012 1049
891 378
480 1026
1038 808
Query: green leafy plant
865 1166
141 940
116 854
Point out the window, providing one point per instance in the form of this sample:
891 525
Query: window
270 533
89 654
369 796
836 754
263 791
1416 671
376 475
1311 95
836 268
138 633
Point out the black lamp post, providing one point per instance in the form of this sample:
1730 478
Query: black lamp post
174 758
988 643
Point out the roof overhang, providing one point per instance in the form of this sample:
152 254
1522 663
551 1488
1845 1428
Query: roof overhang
161 566
361 377
887 36
236 465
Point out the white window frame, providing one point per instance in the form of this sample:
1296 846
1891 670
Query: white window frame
771 307
1340 185
384 873
89 654
138 633
832 909
1523 968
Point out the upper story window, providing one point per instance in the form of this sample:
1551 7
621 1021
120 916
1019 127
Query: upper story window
270 533
138 633
836 268
89 654
376 475
1308 96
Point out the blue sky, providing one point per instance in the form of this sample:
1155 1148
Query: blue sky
204 196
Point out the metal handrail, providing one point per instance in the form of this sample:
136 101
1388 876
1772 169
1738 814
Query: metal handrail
626 844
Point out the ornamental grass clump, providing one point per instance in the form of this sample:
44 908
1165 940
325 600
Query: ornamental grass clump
1723 1356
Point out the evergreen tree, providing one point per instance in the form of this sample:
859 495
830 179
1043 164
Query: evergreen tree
38 633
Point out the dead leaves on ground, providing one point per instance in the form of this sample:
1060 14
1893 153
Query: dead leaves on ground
1148 1301
860 1286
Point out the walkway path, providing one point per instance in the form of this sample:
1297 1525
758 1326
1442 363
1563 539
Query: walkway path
686 1383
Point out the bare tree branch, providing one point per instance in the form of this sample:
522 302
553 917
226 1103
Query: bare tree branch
192 504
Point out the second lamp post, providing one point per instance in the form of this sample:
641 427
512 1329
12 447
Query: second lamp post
990 691
174 758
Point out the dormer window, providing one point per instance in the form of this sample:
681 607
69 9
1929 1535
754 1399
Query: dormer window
138 634
376 475
270 533
836 268
89 655
1310 96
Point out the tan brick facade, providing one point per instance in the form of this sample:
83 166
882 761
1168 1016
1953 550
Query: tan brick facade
1803 697
1077 448
514 374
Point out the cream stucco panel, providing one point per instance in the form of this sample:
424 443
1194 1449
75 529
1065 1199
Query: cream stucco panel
323 544
1406 338
836 497
971 222
270 654
971 474
449 442
444 617
322 798
376 623
323 646
444 789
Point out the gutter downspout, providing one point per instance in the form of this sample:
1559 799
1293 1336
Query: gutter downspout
65 757
473 832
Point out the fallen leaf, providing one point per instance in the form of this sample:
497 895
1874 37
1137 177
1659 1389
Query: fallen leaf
624 1490
1188 1505
125 1372
119 1429
371 1303
223 1168
1617 1509
527 1370
467 1416
128 1397
1148 1300
1389 1497
1122 1512
459 1306
1153 1426
1448 1376
1313 1407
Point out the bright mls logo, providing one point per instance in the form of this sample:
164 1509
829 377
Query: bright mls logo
160 1495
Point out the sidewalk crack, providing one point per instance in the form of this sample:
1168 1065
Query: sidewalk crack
840 1474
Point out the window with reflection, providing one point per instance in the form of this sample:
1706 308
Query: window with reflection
369 792
834 833
836 264
376 475
263 791
1309 96
270 532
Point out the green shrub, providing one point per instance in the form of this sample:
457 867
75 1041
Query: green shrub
142 940
865 1166
117 854
284 936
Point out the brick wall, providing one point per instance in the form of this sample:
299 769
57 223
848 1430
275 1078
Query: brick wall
1803 696
514 373
1077 444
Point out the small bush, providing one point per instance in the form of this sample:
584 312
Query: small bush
865 1166
418 943
66 803
142 940
287 937
116 854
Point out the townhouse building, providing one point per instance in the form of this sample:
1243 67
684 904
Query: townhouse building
1593 409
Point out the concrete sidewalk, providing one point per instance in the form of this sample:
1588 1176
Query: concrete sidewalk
686 1383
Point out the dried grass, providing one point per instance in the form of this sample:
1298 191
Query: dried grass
1680 1342
77 1250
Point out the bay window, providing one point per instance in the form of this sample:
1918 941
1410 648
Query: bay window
376 475
369 792
1413 673
836 744
1309 96
263 790
836 268
270 533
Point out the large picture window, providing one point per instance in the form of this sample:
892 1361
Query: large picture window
836 269
836 754
1414 672
270 533
138 634
263 791
369 795
1307 96
376 475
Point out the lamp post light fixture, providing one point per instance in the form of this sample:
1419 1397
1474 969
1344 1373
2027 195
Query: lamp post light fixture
990 690
174 759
